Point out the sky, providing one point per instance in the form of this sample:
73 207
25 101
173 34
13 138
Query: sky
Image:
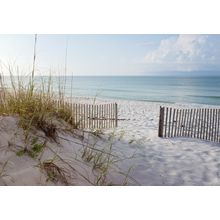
112 54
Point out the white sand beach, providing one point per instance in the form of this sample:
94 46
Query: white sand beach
139 152
163 161
160 161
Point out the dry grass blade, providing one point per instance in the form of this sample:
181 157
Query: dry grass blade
3 170
54 172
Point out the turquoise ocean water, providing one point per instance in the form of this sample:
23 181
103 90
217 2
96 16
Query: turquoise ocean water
201 90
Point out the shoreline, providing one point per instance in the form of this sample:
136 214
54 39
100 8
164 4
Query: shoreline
91 99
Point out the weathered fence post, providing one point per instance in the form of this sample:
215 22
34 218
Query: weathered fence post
161 122
116 115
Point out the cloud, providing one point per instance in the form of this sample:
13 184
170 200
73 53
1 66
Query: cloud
186 53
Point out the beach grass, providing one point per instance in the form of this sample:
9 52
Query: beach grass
34 104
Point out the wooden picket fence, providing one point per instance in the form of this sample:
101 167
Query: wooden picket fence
92 116
200 123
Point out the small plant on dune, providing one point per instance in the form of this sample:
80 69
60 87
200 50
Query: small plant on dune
122 134
131 141
21 153
87 154
97 132
106 164
3 170
3 174
96 156
101 161
54 172
101 164
34 151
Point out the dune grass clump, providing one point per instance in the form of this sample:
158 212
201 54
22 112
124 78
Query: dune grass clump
34 151
101 162
35 105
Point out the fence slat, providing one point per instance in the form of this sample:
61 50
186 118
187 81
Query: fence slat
112 115
173 122
109 116
166 118
218 125
199 118
207 124
100 117
210 124
201 124
113 121
184 122
170 112
188 122
116 115
215 125
110 106
210 132
204 127
161 122
177 122
77 115
181 126
193 120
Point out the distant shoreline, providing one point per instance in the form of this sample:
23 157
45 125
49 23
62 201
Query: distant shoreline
90 99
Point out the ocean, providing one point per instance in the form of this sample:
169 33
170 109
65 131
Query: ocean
201 90
167 89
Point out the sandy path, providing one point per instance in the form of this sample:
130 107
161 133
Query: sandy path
174 161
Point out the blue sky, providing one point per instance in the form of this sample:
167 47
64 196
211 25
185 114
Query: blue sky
112 54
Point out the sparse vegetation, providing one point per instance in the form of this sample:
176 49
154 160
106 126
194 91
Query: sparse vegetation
3 169
54 172
20 153
34 151
131 141
97 132
101 162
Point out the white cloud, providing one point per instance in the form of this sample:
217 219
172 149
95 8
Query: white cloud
185 53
